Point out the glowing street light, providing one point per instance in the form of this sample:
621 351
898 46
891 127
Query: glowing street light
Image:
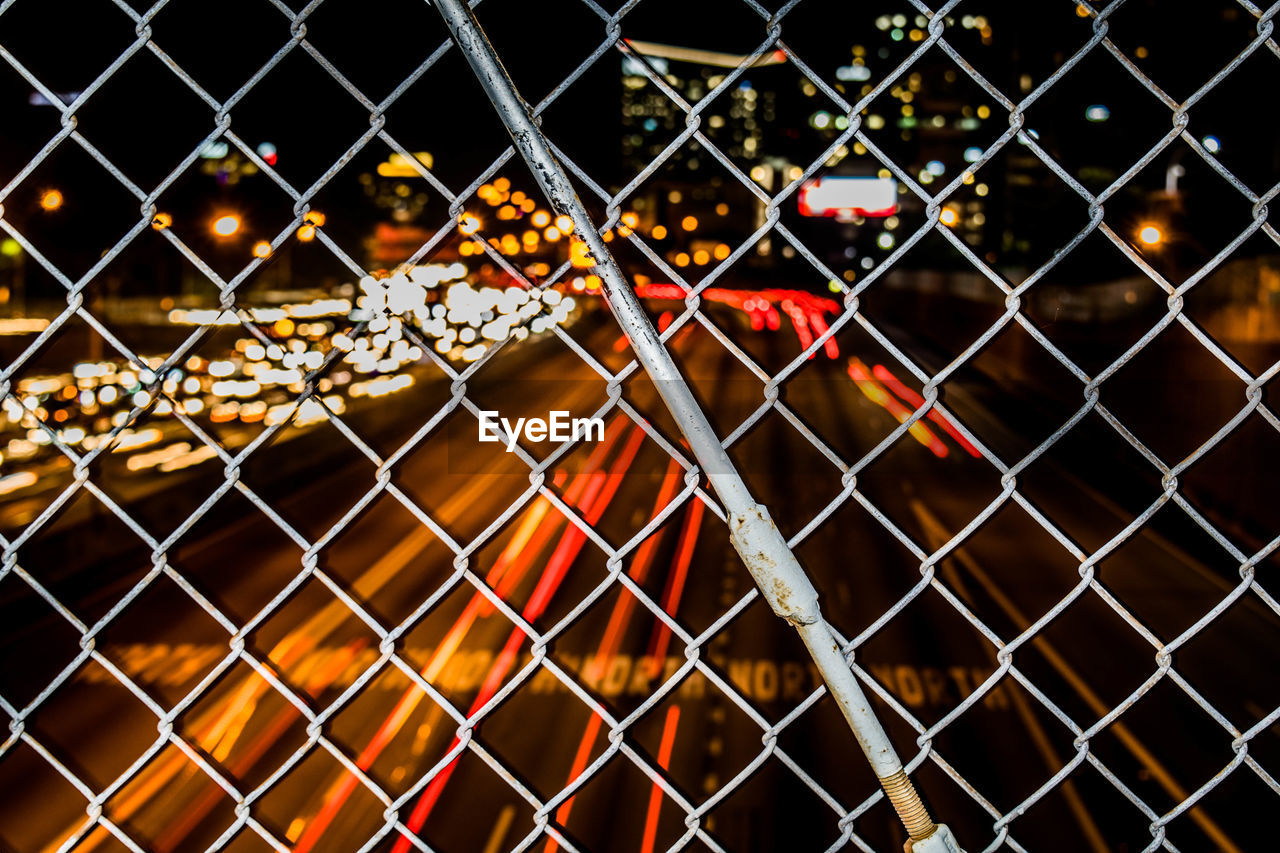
1150 234
468 223
161 221
51 199
225 226
580 255
261 249
948 216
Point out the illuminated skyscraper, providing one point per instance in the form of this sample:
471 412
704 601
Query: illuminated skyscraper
738 121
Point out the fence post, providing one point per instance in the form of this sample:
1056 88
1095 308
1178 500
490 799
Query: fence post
757 540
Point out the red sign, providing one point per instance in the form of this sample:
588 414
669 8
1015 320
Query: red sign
845 197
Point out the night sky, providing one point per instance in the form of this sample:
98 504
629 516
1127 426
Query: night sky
146 120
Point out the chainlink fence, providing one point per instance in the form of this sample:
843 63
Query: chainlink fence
257 664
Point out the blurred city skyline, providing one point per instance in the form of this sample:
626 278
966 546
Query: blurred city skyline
931 123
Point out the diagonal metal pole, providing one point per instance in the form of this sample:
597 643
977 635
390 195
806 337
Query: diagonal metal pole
757 540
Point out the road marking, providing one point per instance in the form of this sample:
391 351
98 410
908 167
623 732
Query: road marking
957 392
610 674
500 827
1055 763
1121 731
1036 730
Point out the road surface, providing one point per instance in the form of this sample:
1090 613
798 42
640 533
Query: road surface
701 690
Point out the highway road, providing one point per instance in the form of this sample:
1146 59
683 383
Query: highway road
306 714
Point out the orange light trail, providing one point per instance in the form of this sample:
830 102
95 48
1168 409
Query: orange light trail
614 632
675 582
820 326
916 401
806 310
580 759
215 730
566 552
243 763
625 604
801 324
876 393
527 541
665 746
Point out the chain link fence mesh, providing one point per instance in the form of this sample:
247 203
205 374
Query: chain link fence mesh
247 684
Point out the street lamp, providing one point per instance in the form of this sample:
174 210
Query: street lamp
51 200
226 225
1150 234
15 294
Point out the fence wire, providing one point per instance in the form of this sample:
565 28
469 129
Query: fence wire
399 824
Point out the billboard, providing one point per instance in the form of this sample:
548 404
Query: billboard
844 197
